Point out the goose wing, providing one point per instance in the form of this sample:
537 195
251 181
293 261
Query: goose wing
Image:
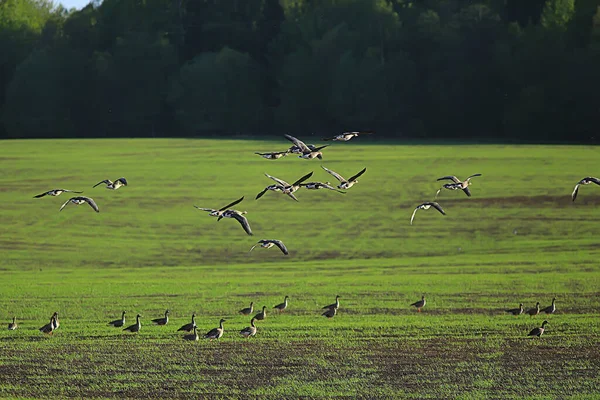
575 191
258 196
413 214
467 191
243 221
280 181
212 333
281 246
205 209
292 196
335 174
357 175
474 175
305 177
252 248
91 202
65 203
329 138
106 182
328 186
451 177
232 204
299 143
320 148
595 180
437 207
40 195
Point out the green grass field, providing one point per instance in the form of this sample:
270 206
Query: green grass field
519 238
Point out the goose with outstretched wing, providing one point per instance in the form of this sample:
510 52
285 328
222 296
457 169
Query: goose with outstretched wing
113 185
426 206
78 200
584 181
55 192
345 184
457 184
218 213
268 243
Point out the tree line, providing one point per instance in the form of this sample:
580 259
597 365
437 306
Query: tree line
468 69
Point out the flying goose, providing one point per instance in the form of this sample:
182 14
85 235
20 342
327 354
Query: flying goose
247 310
118 323
551 308
516 311
49 327
282 306
320 185
80 200
275 188
334 305
250 330
193 336
261 315
13 325
239 217
538 331
419 304
135 327
534 311
113 185
55 192
215 333
286 188
584 181
425 206
273 155
346 136
162 321
345 184
464 185
330 313
218 213
190 326
307 152
268 243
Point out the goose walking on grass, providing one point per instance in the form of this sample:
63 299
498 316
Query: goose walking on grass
268 243
273 155
189 326
534 311
538 331
320 185
282 306
49 327
457 184
307 152
419 304
346 136
218 213
250 330
55 192
551 308
425 206
193 336
261 315
113 185
248 310
345 184
13 325
162 321
335 305
215 333
285 187
584 181
135 328
80 200
118 323
330 313
239 217
516 311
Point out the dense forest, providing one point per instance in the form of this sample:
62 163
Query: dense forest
468 69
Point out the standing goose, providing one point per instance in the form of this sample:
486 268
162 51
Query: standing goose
162 321
250 330
80 200
320 185
13 325
516 311
273 155
335 305
239 217
194 336
534 311
113 185
345 184
584 181
135 327
307 152
282 306
464 185
49 327
56 322
425 206
419 304
287 188
261 315
248 310
268 243
118 323
346 136
190 326
218 213
330 313
538 331
55 192
551 308
215 333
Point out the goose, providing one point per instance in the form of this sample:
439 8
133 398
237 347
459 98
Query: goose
113 185
215 333
55 192
80 200
307 152
239 217
464 185
584 181
56 322
190 326
162 321
218 213
273 155
534 311
268 243
135 327
551 308
275 188
334 305
320 185
282 306
345 184
425 206
250 330
419 304
516 311
346 136
261 315
13 325
538 331
194 336
247 310
118 323
49 327
330 313
287 188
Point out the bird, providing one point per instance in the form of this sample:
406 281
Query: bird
268 243
282 306
135 327
113 185
584 181
13 325
534 311
275 188
55 192
239 217
250 330
419 304
247 310
516 311
334 305
538 331
320 185
190 326
55 322
80 200
551 308
286 188
218 213
464 185
273 155
261 315
49 327
162 321
193 336
330 313
307 152
215 333
425 206
346 136
345 184
118 323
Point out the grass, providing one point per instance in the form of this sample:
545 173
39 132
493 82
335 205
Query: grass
519 238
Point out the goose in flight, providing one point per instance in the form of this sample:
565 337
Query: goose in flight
425 206
80 200
268 243
273 155
113 185
538 331
218 213
239 217
55 192
457 184
215 333
584 181
307 152
118 323
275 188
345 184
320 185
346 136
285 187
